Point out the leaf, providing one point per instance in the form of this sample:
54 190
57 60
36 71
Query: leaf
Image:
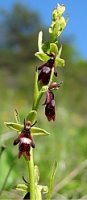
42 56
51 181
38 131
40 41
22 187
31 115
14 126
53 48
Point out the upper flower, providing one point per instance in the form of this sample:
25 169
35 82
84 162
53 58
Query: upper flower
45 71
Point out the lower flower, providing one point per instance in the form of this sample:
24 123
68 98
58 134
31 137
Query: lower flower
50 106
50 110
25 141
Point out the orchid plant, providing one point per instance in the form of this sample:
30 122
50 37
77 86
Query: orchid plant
50 55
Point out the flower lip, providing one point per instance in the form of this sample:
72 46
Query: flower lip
49 97
46 69
25 140
50 111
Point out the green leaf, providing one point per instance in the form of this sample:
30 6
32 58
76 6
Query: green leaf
53 48
38 131
59 62
42 56
51 181
22 187
40 41
31 115
14 126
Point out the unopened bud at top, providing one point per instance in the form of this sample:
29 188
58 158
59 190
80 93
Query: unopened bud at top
58 11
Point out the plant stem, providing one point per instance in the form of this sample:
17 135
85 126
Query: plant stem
37 97
36 103
31 176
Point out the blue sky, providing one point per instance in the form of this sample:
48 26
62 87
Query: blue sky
76 10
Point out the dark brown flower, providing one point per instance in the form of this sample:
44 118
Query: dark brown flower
45 71
50 106
50 101
25 140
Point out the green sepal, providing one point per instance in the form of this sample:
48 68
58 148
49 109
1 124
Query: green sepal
53 48
19 127
14 126
40 35
51 181
31 116
38 131
42 56
59 62
22 187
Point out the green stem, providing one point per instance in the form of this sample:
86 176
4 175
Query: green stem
36 103
31 176
37 96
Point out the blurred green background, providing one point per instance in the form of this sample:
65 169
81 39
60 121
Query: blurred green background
68 140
